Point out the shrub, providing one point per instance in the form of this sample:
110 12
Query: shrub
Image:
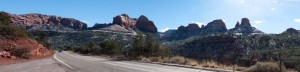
166 59
147 46
22 53
155 59
298 68
265 67
110 47
9 31
191 62
178 60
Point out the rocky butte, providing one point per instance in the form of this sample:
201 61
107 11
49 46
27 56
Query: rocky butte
142 23
40 19
244 28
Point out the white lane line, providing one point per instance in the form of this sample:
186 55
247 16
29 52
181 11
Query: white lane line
129 67
85 57
63 62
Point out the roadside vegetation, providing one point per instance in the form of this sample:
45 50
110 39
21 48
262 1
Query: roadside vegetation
8 31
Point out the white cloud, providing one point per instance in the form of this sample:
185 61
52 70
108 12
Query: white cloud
297 20
258 22
85 21
272 9
166 29
242 1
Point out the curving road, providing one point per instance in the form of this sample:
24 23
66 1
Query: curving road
78 63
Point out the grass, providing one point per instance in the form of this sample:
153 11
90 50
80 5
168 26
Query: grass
265 67
177 60
191 62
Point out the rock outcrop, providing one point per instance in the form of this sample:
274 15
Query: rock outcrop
216 26
125 21
142 23
291 31
244 28
190 27
40 19
182 32
145 25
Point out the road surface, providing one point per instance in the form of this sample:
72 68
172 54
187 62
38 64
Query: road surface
79 63
42 65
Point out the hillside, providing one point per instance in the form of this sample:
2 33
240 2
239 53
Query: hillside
15 42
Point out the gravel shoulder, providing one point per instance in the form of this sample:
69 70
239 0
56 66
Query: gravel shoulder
42 65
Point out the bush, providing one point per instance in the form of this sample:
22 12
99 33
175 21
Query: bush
191 62
110 47
21 53
147 46
178 60
156 59
9 31
265 67
298 68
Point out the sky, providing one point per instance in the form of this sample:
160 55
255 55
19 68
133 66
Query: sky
269 16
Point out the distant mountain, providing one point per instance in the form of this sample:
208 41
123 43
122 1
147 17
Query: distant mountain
212 28
182 32
40 19
216 26
291 31
244 28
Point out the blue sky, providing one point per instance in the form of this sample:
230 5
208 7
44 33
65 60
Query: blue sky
270 16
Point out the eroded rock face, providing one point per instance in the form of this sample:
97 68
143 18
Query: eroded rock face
245 22
291 31
125 21
215 26
40 19
142 23
190 27
8 46
244 28
145 25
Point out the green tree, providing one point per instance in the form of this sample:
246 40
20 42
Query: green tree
146 45
110 47
152 46
137 46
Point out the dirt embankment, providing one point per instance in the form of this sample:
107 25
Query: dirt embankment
20 50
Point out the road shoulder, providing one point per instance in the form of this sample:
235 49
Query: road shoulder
42 65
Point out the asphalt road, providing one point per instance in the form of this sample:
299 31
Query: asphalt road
78 63
42 65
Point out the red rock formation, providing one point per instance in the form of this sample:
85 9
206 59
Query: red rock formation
125 21
145 25
237 25
142 23
217 24
34 18
292 31
190 27
245 22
